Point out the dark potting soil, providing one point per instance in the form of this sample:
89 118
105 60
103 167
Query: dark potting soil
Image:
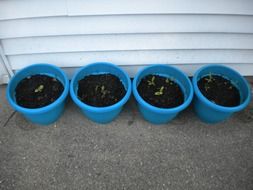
37 91
160 91
100 90
219 90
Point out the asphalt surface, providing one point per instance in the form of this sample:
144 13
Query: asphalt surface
129 153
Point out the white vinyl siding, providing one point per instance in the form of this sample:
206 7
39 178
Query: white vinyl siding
4 77
129 33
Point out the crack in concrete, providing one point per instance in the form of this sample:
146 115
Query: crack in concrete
9 118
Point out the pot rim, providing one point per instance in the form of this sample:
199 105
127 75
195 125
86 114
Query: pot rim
213 105
141 101
84 106
44 109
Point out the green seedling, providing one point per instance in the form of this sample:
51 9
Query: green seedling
39 88
96 88
104 91
152 82
169 81
160 92
210 78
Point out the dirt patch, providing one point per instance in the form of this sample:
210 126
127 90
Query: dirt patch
100 90
37 91
160 91
219 90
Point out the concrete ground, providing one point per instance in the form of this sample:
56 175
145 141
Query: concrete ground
129 153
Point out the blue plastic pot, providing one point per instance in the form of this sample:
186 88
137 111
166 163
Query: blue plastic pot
154 114
100 114
45 115
210 112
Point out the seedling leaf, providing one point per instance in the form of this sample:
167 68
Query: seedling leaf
39 88
152 82
160 92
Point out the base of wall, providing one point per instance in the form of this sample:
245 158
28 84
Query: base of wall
4 79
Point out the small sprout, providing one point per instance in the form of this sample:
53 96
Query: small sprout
170 80
96 88
28 77
160 92
152 82
39 88
104 91
210 78
230 87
